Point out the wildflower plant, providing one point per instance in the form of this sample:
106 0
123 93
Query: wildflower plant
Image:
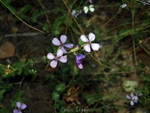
61 43
87 9
56 59
87 47
20 106
133 98
75 14
71 84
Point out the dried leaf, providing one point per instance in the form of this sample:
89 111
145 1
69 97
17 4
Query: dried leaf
7 71
7 50
14 29
72 94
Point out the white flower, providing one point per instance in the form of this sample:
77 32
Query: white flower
123 5
90 8
94 46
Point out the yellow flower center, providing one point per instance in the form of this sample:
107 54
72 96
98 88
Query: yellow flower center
90 42
56 58
19 109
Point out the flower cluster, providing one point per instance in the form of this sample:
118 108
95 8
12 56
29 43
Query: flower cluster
133 98
78 58
20 107
86 9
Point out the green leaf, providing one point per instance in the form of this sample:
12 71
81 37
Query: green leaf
91 98
46 28
35 15
107 97
2 93
60 87
24 10
57 26
7 2
12 8
123 31
55 96
141 65
4 110
17 95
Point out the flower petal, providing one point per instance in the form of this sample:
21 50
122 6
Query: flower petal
86 9
56 42
92 9
63 59
73 12
135 101
132 95
91 6
63 38
95 46
128 97
18 104
80 66
68 45
53 63
15 111
23 106
63 49
83 38
90 1
91 37
87 48
79 57
59 53
50 56
135 97
131 103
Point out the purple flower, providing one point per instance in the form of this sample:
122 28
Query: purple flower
90 1
63 39
138 94
56 59
20 107
144 3
78 59
133 98
87 48
74 13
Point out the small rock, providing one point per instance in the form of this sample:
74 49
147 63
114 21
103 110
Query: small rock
129 85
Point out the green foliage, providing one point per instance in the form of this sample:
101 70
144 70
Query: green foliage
8 4
91 98
23 12
4 110
58 25
97 72
16 98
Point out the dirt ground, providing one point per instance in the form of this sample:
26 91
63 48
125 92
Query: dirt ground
37 95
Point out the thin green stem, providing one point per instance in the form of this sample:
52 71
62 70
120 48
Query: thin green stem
20 18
